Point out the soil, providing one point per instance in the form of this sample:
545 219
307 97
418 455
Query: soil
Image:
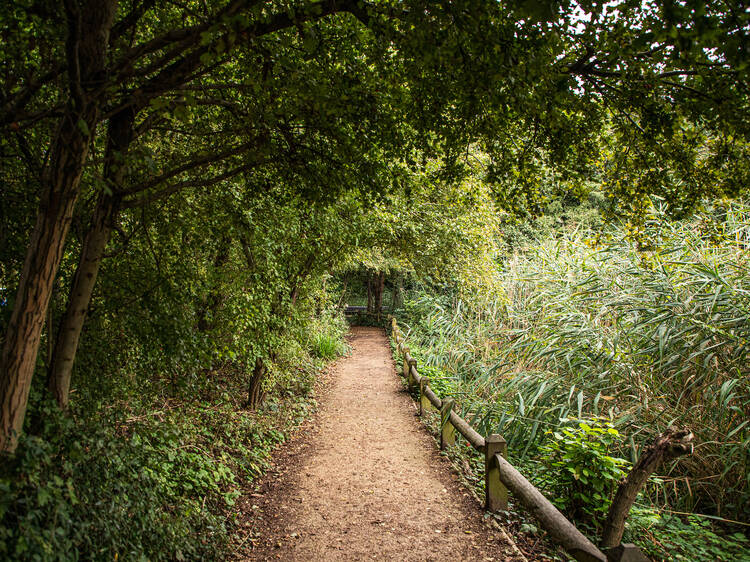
364 481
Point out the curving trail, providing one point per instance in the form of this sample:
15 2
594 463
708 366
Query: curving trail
364 482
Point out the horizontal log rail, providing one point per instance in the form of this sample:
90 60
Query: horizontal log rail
460 424
501 478
357 309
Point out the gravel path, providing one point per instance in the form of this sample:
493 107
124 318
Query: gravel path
364 481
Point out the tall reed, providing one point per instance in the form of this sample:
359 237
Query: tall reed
585 327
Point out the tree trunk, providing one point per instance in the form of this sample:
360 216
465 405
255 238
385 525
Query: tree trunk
398 286
670 444
211 304
50 328
40 267
378 286
370 297
69 333
255 390
119 137
86 54
342 298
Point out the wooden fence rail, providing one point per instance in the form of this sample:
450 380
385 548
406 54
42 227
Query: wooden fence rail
500 476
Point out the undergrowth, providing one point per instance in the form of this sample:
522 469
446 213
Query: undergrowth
156 475
327 339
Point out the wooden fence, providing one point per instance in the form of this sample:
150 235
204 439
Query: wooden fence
501 478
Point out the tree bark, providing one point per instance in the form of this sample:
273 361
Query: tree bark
50 328
89 27
370 296
119 137
378 286
40 267
255 390
84 279
667 446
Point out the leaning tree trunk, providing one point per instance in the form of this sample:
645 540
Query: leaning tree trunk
119 138
86 54
667 446
50 327
255 390
71 325
37 276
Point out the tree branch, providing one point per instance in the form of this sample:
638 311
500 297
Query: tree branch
667 446
177 72
191 165
175 187
71 50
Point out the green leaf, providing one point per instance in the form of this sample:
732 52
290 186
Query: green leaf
83 127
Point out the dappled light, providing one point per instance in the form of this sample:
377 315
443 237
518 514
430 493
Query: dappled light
216 215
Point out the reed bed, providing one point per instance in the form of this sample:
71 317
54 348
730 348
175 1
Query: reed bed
585 326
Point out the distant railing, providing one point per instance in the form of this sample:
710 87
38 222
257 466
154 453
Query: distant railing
499 475
354 309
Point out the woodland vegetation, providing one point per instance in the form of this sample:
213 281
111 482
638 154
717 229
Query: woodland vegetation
550 194
587 347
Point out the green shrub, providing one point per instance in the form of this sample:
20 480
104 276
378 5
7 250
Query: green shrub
159 484
327 346
440 381
580 475
665 536
83 492
326 336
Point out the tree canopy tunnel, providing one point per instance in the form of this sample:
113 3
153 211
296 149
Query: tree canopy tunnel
139 131
370 291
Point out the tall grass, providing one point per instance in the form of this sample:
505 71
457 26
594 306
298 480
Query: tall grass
326 336
651 338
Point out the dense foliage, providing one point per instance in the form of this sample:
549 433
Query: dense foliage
159 444
589 324
186 187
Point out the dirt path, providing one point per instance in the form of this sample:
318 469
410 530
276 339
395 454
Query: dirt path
365 482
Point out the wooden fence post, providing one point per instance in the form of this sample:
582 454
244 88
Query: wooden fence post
405 367
495 492
424 402
412 381
447 431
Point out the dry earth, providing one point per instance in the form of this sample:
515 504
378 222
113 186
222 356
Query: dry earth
363 480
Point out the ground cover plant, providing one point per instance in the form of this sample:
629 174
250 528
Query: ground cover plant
155 476
592 344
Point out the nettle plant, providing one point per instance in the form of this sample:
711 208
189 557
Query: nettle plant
581 474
